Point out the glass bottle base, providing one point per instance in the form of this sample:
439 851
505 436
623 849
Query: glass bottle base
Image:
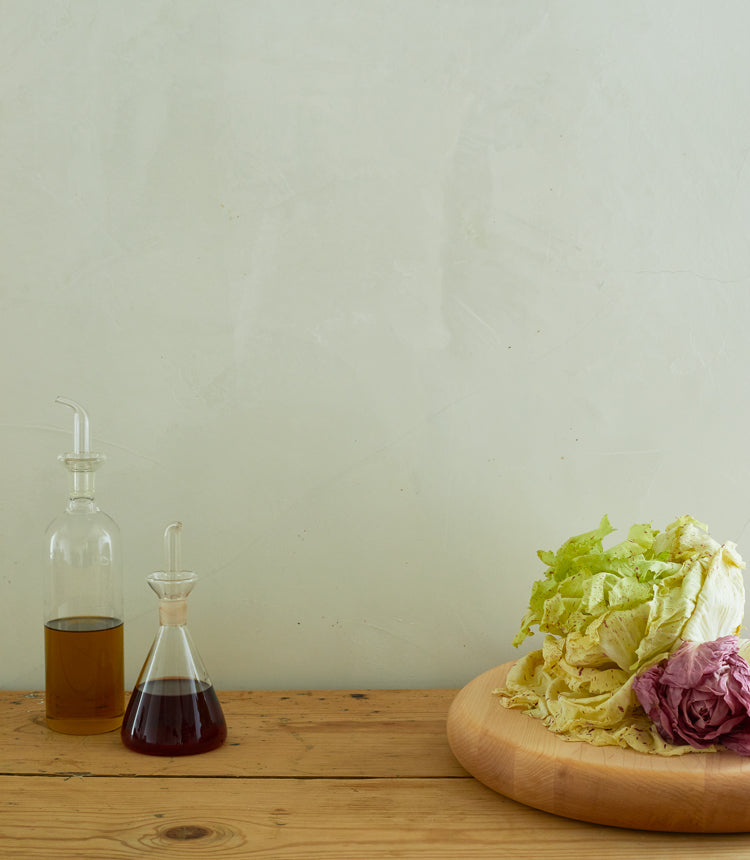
97 726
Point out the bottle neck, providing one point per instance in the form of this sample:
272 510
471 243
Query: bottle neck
81 468
80 488
81 493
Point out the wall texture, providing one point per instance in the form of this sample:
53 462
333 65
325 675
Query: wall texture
378 298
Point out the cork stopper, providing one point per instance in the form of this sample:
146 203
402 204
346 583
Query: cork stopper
172 612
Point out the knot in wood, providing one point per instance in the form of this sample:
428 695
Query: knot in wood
187 831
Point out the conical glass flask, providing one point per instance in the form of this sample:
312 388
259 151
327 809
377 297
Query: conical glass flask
174 709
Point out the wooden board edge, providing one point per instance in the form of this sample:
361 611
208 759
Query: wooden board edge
691 805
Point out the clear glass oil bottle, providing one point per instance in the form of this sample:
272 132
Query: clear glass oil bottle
83 626
174 709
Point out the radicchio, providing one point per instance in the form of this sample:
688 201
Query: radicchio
700 696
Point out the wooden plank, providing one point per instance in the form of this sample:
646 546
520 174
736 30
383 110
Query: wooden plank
305 819
374 733
517 756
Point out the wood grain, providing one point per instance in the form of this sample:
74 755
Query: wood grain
514 754
384 733
306 819
331 774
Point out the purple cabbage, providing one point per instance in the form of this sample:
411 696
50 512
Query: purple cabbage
700 696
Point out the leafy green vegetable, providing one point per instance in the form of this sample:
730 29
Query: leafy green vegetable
610 613
635 598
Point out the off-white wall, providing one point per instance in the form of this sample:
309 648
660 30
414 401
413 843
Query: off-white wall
378 298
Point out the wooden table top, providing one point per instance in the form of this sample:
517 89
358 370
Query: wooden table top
303 774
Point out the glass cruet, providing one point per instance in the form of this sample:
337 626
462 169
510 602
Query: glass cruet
174 709
83 611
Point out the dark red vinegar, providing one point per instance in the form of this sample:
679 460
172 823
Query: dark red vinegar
173 716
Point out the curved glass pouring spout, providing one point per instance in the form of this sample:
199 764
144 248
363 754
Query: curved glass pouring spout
81 432
174 709
82 462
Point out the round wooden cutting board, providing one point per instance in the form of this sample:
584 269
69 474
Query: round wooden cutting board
515 755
